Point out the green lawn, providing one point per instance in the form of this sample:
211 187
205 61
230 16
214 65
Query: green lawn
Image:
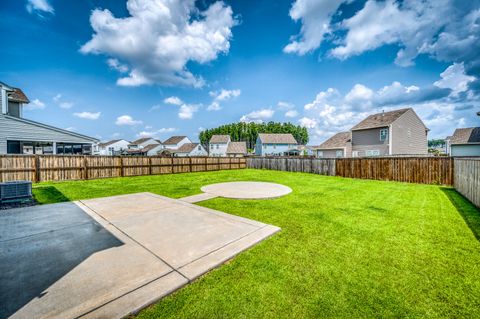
348 248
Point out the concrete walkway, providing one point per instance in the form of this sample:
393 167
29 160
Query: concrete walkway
110 257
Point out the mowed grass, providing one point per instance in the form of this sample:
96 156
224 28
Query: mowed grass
347 249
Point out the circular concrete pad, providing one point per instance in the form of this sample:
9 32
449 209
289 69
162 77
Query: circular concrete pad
247 190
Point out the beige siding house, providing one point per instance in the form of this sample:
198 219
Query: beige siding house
237 149
339 145
398 132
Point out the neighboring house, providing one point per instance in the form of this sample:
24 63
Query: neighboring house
21 136
190 150
148 150
114 147
399 132
175 142
274 144
464 142
236 149
218 145
142 142
339 145
306 150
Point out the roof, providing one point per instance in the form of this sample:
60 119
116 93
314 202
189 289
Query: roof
237 148
338 140
220 139
185 148
174 140
142 140
277 138
469 135
380 119
149 147
105 144
17 95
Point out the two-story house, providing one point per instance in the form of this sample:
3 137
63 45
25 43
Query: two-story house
175 142
190 150
398 132
339 145
22 136
464 142
113 147
218 145
274 144
144 146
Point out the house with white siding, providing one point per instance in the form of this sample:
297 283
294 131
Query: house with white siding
113 147
175 142
275 144
19 135
190 150
218 145
464 142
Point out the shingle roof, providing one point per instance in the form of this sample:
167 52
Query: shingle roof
149 147
17 95
277 138
105 144
185 148
237 148
219 139
338 140
469 135
380 119
141 140
174 140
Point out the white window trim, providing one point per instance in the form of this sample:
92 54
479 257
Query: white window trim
372 153
386 136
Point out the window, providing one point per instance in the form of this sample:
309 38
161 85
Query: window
383 134
264 146
320 153
373 153
355 154
211 146
199 148
274 146
339 153
217 146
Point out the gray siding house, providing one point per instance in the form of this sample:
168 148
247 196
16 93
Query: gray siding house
339 145
399 132
464 142
275 144
21 136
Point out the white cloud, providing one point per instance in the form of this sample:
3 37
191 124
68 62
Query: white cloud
116 65
258 116
186 111
359 92
221 96
36 104
291 113
65 105
454 78
282 105
127 120
173 100
39 6
156 133
88 115
315 16
58 99
307 122
159 38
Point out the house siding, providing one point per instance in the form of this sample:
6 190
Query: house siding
11 129
365 140
221 151
330 153
409 135
465 150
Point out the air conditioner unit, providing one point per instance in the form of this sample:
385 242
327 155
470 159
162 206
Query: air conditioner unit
15 191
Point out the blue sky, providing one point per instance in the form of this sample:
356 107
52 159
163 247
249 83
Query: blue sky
125 69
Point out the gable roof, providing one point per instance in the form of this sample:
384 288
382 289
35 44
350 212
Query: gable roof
17 95
142 140
277 138
149 147
185 148
237 148
174 140
220 139
338 140
380 119
105 144
469 135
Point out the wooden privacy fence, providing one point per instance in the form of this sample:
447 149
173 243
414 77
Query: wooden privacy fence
425 170
294 164
38 168
467 178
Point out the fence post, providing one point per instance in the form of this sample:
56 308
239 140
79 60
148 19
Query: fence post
36 166
190 163
172 164
122 174
85 167
150 166
206 163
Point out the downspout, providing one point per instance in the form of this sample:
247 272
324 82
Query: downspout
390 129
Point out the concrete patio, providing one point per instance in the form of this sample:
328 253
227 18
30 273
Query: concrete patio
110 257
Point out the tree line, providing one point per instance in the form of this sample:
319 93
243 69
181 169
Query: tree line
248 132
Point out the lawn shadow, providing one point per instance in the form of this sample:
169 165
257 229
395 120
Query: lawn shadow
49 195
466 209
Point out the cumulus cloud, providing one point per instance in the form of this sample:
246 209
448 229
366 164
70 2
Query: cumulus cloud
88 115
282 105
221 96
446 30
39 7
173 100
127 120
258 116
454 78
36 104
186 111
159 37
114 64
58 99
307 122
291 113
156 133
